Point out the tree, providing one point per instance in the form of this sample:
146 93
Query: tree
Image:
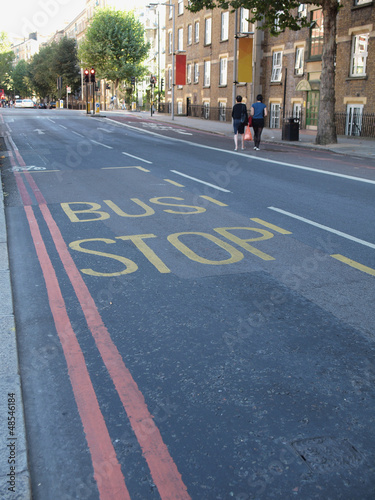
52 61
115 46
267 12
21 80
6 62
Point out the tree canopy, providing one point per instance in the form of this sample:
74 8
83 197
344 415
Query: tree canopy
115 46
267 13
6 62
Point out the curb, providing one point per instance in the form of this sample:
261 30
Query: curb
14 469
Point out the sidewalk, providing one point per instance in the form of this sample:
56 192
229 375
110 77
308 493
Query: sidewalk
352 146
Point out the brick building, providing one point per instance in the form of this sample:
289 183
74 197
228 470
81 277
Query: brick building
208 40
291 68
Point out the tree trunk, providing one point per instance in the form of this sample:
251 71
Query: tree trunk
326 119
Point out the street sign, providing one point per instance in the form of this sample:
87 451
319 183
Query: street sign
69 90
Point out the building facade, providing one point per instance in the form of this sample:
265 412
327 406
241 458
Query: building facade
292 65
209 40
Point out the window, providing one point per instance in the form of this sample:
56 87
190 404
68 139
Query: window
224 25
223 71
277 28
277 58
244 23
196 32
171 11
169 78
206 110
275 115
179 108
207 73
196 72
188 73
298 65
316 34
207 30
190 34
170 48
361 2
180 43
354 119
222 111
180 7
359 55
302 10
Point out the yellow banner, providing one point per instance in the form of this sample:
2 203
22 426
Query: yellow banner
245 60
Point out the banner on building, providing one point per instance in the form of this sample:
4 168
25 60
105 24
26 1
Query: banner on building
245 60
180 69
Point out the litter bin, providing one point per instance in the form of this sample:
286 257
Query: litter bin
290 131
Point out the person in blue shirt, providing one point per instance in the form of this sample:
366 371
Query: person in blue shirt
258 112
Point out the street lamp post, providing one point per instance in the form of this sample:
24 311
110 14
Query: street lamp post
171 5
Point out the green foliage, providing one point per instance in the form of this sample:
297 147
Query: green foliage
6 62
52 61
115 46
275 15
21 80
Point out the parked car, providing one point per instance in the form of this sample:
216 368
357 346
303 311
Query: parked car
42 105
18 103
28 103
52 104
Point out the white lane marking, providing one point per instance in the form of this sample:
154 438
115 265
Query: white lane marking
50 119
137 157
76 133
326 228
62 126
200 181
101 144
244 155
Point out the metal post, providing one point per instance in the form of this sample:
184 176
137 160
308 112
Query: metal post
235 58
173 57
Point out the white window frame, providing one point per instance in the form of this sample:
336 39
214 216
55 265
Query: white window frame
170 42
359 54
275 109
190 34
223 68
277 66
354 114
196 72
180 39
188 73
180 7
208 31
196 32
302 10
179 107
207 74
244 23
298 65
224 26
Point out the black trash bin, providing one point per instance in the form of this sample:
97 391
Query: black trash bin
290 131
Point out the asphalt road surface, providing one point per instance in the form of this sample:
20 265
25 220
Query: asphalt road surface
192 322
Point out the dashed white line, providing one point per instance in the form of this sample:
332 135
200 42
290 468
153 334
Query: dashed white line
325 228
101 144
200 181
137 157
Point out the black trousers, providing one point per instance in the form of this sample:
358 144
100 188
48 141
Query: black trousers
258 126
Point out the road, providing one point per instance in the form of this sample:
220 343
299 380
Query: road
192 322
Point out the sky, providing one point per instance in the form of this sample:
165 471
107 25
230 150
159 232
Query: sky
45 16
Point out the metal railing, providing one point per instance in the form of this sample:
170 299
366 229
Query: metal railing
361 125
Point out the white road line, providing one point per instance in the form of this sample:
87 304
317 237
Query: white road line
325 228
137 158
101 144
248 157
62 126
76 133
200 181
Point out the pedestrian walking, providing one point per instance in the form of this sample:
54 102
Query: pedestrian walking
239 115
258 112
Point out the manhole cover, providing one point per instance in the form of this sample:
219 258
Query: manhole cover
325 454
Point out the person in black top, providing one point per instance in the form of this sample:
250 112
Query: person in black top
240 118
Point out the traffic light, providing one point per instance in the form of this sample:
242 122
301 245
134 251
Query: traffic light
86 72
92 75
161 84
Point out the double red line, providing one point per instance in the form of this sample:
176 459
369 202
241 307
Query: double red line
107 470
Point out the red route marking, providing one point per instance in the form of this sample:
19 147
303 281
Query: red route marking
162 467
107 470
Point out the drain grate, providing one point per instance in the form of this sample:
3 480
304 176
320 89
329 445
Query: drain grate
326 454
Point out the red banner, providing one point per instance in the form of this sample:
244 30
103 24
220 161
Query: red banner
180 69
